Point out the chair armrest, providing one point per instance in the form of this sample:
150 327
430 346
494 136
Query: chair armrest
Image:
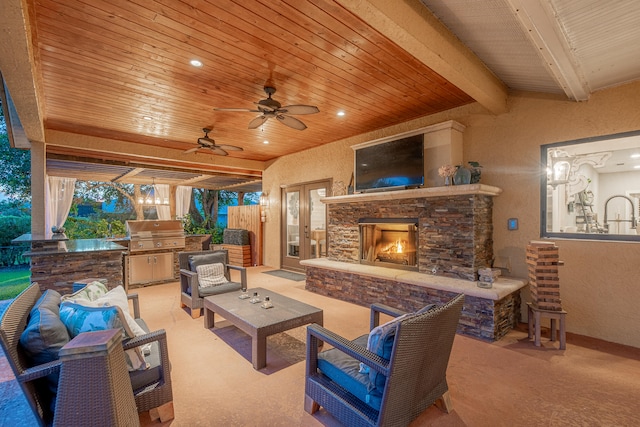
317 333
39 371
377 308
136 305
243 274
191 278
159 335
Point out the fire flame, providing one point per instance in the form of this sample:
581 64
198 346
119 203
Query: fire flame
399 246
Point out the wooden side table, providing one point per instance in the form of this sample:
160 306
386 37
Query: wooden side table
535 315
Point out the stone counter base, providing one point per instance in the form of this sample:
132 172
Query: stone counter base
482 318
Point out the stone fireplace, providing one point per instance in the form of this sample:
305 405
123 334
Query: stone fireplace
454 227
451 229
389 242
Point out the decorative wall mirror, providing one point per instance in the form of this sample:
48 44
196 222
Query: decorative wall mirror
591 189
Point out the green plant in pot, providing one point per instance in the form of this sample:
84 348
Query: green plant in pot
476 171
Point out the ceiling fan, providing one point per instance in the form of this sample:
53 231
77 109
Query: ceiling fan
270 108
210 144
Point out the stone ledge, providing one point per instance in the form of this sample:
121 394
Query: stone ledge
451 190
501 288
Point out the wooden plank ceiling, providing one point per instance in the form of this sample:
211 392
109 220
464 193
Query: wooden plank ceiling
116 76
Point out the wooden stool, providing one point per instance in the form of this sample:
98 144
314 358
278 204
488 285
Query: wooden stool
535 314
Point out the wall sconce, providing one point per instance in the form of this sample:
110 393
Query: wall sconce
560 169
264 205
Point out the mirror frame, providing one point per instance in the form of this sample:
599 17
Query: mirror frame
544 149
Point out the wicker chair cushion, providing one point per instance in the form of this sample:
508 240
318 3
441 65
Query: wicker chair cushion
344 370
211 275
43 338
45 333
143 378
212 258
81 318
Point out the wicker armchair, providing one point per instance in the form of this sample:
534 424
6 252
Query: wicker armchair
191 294
152 389
414 375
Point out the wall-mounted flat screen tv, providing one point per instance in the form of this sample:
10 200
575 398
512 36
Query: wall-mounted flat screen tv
396 164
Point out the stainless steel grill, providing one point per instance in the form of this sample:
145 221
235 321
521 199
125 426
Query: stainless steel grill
155 235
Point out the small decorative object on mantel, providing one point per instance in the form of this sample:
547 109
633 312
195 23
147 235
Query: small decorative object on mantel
476 172
447 172
486 277
462 176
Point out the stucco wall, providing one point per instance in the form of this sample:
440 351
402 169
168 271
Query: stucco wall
599 282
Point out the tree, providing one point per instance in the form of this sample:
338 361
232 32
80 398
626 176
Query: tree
15 167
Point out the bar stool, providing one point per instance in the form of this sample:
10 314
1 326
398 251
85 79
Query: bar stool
535 314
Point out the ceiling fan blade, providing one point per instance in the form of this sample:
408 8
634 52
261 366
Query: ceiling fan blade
292 122
264 108
218 150
206 142
191 150
257 122
300 109
230 147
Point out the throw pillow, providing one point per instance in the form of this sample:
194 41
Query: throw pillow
381 338
210 258
80 318
211 275
90 292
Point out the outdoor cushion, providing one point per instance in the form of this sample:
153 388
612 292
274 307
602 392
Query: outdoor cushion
81 318
211 275
143 378
344 371
43 338
90 292
212 258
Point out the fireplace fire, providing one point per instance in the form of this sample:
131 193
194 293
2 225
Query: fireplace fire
389 242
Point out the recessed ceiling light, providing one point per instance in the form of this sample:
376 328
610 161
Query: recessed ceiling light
195 63
147 117
340 113
265 142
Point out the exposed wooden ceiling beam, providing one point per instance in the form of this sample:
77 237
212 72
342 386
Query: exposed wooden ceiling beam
415 29
146 153
19 65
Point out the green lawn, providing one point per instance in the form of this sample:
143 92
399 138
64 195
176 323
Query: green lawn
12 282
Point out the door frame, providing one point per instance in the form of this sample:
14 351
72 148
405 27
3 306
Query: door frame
304 250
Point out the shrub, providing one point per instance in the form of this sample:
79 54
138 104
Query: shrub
12 227
86 228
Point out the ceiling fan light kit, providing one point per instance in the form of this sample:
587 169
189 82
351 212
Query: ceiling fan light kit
270 108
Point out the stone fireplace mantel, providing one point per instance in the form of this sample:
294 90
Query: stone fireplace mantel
451 190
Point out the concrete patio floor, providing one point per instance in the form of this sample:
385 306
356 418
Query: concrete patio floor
506 383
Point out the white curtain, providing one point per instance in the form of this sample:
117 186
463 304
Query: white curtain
164 211
183 200
59 196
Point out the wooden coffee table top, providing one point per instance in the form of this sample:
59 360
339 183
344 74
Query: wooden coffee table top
284 308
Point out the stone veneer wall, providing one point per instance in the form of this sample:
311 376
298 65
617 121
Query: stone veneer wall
58 271
481 318
454 232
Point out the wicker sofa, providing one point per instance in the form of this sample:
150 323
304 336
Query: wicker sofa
151 387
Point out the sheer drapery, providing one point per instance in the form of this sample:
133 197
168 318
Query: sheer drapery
59 196
164 211
183 200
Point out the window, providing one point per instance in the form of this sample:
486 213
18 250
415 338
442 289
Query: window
591 189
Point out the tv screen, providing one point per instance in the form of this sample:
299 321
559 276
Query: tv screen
390 164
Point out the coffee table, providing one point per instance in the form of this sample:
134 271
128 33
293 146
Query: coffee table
259 322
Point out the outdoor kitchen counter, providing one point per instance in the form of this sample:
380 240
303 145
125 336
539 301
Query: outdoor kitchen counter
65 246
